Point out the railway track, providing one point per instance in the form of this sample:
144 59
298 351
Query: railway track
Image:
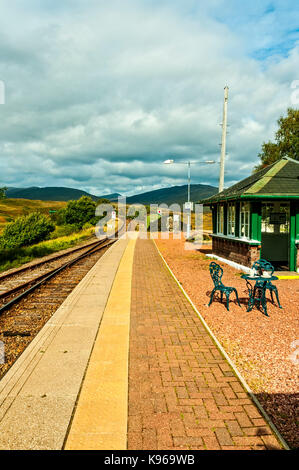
20 287
13 278
26 307
14 294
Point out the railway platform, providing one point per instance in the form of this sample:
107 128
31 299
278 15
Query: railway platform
126 362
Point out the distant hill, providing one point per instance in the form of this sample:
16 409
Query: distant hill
174 194
111 197
52 194
12 208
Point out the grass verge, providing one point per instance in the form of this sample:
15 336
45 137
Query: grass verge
14 258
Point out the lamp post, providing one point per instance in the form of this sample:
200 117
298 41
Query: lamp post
169 162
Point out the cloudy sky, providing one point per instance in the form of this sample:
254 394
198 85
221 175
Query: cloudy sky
99 93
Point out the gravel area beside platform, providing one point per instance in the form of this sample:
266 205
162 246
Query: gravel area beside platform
260 346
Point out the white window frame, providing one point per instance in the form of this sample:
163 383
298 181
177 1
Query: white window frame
276 206
244 220
220 219
231 219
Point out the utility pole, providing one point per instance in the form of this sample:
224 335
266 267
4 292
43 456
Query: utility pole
223 140
189 209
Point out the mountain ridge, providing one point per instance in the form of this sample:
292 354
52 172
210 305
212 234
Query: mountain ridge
52 193
170 195
173 194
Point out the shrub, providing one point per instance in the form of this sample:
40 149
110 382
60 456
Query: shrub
26 230
64 230
103 200
87 225
58 217
81 211
13 257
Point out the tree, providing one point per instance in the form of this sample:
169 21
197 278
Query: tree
81 211
2 192
26 230
103 200
286 140
58 217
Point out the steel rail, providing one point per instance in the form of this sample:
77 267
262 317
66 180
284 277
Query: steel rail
38 278
56 256
47 276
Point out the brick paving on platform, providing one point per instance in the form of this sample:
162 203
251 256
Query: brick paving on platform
183 394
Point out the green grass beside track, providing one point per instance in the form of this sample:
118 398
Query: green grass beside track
14 258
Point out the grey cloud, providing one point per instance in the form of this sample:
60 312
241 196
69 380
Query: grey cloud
98 95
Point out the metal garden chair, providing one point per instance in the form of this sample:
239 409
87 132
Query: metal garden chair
264 265
216 274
